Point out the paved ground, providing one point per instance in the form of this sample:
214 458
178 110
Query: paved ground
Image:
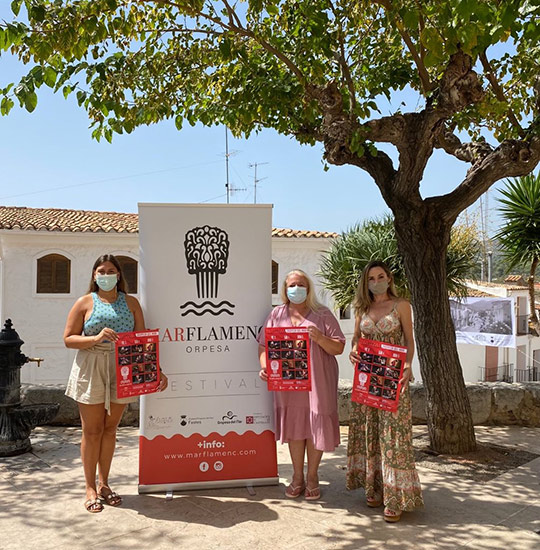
41 498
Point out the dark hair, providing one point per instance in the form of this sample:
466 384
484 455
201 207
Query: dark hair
121 286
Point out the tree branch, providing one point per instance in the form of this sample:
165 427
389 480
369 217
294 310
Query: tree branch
467 152
499 93
513 158
425 80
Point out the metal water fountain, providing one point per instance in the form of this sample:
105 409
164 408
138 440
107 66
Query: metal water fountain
17 420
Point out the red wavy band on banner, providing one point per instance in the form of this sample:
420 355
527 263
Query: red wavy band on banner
213 457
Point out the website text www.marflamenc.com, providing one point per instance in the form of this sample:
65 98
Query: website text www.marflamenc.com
209 454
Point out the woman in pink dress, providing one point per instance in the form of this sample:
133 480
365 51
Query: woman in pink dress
307 421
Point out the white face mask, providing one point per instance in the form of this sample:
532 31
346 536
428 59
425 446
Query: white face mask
378 288
297 294
106 282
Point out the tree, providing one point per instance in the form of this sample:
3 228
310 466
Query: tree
520 237
343 262
320 71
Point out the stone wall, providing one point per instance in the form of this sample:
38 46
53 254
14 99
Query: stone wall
496 403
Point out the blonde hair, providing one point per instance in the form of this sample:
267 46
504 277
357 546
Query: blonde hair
311 298
364 297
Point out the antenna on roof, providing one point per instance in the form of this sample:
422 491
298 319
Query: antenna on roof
255 180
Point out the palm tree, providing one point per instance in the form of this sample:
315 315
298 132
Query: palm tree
520 238
375 239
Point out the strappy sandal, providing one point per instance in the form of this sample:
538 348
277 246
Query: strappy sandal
294 491
374 501
312 494
391 516
111 498
93 505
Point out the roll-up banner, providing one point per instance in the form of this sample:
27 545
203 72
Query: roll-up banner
484 321
206 285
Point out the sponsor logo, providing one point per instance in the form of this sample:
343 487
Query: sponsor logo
229 418
159 421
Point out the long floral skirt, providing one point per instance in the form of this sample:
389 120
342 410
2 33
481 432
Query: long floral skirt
380 455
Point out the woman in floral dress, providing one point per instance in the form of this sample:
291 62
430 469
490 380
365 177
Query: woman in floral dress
380 455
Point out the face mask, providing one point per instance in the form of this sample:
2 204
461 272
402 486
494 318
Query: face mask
378 288
106 282
297 294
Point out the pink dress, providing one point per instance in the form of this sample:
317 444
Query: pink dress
314 414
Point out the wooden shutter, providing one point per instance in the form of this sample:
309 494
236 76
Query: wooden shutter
130 271
53 274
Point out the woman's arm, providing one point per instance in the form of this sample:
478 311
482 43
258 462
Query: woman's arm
353 355
73 337
136 309
405 316
263 375
332 346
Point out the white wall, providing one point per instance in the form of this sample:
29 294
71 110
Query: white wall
40 318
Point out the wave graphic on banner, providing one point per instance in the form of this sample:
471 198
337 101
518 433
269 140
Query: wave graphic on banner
212 309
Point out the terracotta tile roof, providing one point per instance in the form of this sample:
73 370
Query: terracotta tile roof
87 221
517 279
501 285
290 233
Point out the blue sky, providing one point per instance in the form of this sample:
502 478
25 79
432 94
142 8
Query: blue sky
49 160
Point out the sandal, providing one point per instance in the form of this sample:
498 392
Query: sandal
110 497
391 516
293 491
375 501
93 505
312 494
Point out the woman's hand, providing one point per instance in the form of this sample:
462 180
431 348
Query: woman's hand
163 381
354 357
405 379
263 375
107 334
315 334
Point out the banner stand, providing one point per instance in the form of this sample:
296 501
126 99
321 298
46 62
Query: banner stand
206 286
196 486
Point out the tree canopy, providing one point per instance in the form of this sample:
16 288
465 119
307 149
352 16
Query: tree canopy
320 71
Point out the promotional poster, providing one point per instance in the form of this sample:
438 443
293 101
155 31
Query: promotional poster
288 358
377 374
137 363
206 283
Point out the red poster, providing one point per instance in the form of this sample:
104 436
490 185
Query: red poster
137 363
288 361
377 374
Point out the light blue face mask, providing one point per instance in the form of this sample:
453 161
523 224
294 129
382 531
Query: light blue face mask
297 294
106 282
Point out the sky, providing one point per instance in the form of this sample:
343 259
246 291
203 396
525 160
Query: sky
49 160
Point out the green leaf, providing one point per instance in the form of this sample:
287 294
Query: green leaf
49 77
16 6
30 101
6 105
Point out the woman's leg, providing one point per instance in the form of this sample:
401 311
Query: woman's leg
297 450
92 419
313 460
108 444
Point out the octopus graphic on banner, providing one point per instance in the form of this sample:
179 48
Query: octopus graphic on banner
207 252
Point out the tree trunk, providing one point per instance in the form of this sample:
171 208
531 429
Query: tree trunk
423 238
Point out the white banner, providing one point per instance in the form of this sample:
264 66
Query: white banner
485 321
205 284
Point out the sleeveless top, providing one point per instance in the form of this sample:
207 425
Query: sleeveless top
116 316
387 329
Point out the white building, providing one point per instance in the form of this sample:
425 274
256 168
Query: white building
46 257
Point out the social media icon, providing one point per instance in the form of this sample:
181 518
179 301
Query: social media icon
218 466
204 466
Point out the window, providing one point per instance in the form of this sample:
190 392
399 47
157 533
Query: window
275 277
345 312
53 274
130 271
